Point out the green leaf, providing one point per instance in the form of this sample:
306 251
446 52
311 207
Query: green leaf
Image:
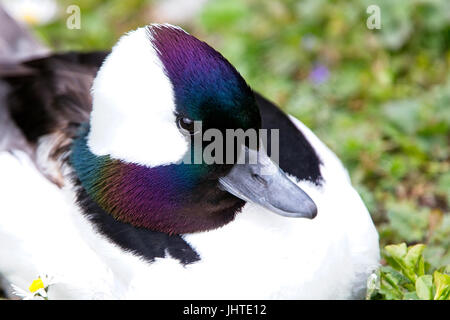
442 283
396 258
424 287
410 296
396 254
397 251
407 260
414 260
389 287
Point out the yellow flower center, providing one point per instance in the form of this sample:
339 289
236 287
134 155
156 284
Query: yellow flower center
30 18
36 285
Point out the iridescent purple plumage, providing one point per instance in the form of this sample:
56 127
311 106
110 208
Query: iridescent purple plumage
206 85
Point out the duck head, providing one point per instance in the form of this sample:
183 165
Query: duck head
131 157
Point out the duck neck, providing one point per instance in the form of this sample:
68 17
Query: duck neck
173 199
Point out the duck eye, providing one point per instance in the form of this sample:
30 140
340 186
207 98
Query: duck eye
185 125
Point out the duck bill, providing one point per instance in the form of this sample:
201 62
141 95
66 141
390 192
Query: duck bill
262 182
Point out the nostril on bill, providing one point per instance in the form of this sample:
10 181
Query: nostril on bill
259 178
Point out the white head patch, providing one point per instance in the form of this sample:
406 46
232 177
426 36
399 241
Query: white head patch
133 106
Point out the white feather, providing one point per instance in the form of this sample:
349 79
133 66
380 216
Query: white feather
133 106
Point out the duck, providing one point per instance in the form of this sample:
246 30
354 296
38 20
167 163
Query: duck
97 195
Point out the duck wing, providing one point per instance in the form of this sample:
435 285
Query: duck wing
42 103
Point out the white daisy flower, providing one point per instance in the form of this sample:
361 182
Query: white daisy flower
32 12
38 290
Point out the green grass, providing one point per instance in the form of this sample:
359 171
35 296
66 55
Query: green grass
382 104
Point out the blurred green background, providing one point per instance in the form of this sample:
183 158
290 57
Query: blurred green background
379 98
